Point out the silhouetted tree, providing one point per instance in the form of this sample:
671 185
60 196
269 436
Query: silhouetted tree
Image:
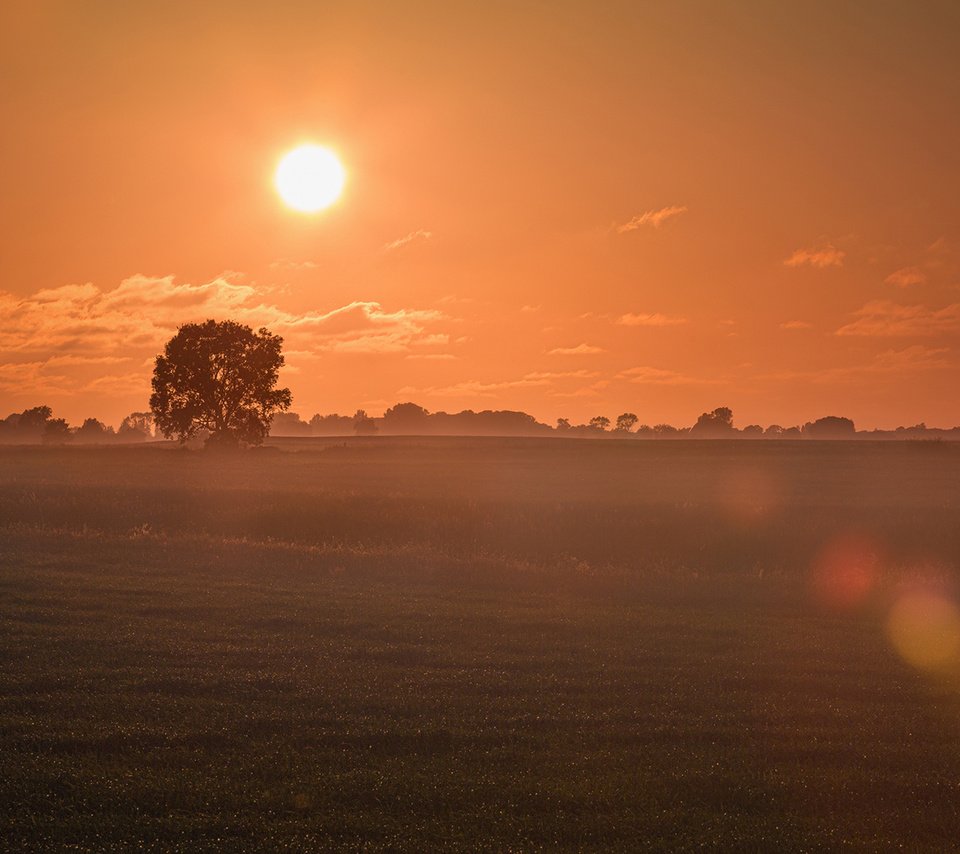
752 431
56 431
218 377
626 422
716 424
363 424
32 423
563 424
93 430
405 418
137 426
599 422
331 425
289 424
831 427
774 431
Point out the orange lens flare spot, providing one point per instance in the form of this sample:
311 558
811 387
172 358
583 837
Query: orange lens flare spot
924 629
845 572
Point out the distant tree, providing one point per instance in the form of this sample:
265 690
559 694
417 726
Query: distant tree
56 431
406 418
331 425
831 427
92 430
626 422
792 433
137 426
289 424
563 424
716 424
599 422
645 431
774 431
752 431
218 377
32 423
665 430
363 424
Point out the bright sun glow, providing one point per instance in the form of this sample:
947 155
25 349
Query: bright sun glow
309 178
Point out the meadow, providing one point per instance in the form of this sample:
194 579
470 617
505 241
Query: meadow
481 644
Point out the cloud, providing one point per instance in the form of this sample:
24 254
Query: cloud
796 324
915 359
647 375
827 256
883 318
561 375
472 388
478 388
655 319
115 385
579 350
906 277
288 264
653 219
911 359
142 312
17 376
55 339
420 234
432 357
585 391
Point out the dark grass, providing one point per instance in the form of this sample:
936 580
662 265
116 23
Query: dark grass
468 645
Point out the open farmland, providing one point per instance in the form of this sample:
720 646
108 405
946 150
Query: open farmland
481 644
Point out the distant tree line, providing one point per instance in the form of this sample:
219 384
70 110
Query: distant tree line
37 425
410 419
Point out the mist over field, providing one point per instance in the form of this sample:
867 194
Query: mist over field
481 644
479 427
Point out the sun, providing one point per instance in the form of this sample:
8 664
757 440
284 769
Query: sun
309 178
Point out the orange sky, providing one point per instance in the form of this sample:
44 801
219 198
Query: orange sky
656 207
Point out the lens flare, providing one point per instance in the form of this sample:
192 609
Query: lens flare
845 572
924 628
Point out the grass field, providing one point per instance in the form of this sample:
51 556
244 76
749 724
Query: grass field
481 645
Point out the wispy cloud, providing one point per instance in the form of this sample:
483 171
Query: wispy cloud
579 350
655 319
485 388
648 375
883 318
916 359
288 264
906 277
472 388
561 375
825 256
796 324
407 239
432 357
653 219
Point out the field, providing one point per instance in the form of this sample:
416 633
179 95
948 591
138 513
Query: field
454 644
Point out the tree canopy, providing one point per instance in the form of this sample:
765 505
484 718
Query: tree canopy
218 377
